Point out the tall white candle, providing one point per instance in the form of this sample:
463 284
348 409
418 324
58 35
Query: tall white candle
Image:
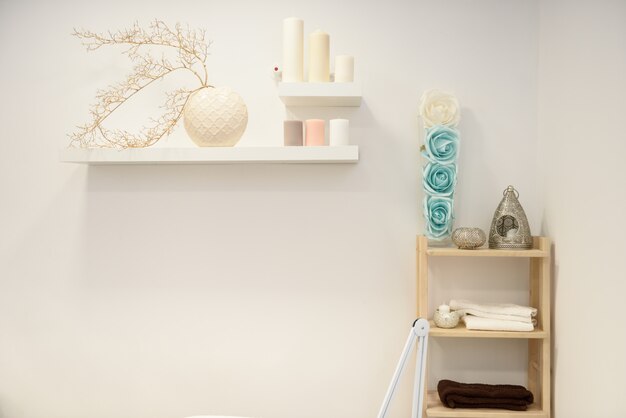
293 50
319 57
344 69
339 132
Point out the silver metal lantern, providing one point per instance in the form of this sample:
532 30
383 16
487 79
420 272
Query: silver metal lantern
509 227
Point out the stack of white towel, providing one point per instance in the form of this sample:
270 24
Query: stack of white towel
495 316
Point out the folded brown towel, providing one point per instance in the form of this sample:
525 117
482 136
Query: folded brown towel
479 395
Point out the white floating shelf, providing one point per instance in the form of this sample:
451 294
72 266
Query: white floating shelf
212 155
320 94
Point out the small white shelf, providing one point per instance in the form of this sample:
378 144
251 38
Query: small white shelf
212 155
320 94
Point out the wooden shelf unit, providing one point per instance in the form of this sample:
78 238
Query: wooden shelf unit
539 379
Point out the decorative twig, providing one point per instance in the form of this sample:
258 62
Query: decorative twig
192 52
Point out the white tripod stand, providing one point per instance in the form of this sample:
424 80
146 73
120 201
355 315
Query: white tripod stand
419 331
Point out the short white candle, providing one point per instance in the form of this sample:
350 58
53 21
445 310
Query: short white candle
511 233
444 308
344 69
339 132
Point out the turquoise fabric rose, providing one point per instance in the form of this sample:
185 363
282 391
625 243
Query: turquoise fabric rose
439 180
441 144
438 213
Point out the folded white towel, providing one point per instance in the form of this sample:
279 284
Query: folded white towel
503 317
494 308
487 324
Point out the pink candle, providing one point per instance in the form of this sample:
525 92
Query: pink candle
314 135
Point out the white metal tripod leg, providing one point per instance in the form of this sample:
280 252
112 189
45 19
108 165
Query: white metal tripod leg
418 331
396 375
420 328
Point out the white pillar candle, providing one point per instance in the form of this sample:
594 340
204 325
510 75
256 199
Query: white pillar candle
293 50
444 308
339 132
319 57
344 69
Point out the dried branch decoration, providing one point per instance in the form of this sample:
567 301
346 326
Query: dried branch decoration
191 54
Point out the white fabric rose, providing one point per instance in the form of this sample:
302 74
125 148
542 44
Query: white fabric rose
439 108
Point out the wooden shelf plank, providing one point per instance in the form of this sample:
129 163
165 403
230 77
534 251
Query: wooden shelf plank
484 252
461 332
434 408
320 94
212 155
539 250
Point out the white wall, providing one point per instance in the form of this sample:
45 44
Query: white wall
582 147
265 290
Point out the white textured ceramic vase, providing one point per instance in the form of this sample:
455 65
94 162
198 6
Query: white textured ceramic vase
215 117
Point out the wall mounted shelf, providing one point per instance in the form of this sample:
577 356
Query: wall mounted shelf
320 94
212 155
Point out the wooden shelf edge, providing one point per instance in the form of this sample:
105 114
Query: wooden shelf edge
210 155
461 332
535 252
435 408
485 252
